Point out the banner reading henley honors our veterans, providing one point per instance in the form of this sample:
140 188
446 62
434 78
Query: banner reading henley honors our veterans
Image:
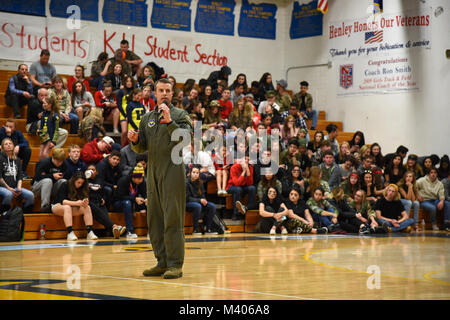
376 55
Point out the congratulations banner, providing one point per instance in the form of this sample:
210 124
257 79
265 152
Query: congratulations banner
378 54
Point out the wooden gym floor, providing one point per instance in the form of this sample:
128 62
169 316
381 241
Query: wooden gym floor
233 267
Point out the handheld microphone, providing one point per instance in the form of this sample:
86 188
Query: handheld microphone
161 118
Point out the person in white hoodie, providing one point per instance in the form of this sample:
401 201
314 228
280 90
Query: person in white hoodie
432 197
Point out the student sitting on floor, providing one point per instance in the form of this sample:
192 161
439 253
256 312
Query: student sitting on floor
390 211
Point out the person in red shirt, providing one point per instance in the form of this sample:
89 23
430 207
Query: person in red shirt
240 183
79 76
146 100
93 152
106 100
226 105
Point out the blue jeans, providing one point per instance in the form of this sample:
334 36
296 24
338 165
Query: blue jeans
415 205
8 195
196 208
127 207
73 119
314 114
403 225
325 220
430 206
238 192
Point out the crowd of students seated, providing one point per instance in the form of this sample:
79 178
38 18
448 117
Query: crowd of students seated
254 141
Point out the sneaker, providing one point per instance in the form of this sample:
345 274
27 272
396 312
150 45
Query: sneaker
118 231
131 235
196 233
241 208
91 236
364 230
116 132
435 227
386 227
407 229
211 232
273 231
284 231
72 237
298 230
323 230
333 227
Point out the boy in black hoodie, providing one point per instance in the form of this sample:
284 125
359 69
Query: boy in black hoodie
110 172
73 162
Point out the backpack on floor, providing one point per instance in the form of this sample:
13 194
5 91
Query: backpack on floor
12 225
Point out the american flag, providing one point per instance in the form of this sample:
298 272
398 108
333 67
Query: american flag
374 36
322 6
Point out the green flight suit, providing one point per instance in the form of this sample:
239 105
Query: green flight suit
166 187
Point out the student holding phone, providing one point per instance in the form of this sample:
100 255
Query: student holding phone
72 200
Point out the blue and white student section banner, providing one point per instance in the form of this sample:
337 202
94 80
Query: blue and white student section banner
377 54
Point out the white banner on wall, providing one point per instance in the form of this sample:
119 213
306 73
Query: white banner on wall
23 37
377 55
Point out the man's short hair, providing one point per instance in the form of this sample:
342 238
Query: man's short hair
141 157
294 104
328 153
124 42
325 143
293 141
331 128
304 84
115 153
74 146
402 149
165 81
22 64
59 154
107 84
368 156
433 169
12 120
45 52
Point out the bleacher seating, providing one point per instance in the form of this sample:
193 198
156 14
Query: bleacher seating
55 225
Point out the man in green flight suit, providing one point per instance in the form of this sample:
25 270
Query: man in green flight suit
165 181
